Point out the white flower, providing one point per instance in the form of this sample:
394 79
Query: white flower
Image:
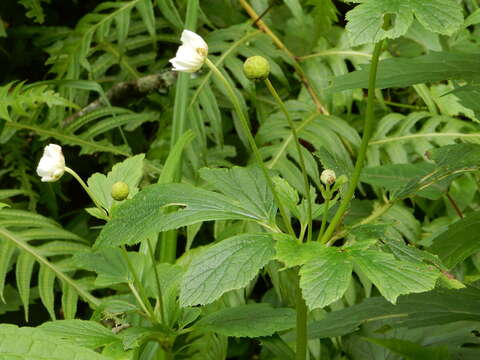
328 177
52 164
191 54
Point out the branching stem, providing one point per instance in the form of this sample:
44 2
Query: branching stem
367 133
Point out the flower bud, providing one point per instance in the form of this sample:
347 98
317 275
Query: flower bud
328 177
120 191
256 68
52 164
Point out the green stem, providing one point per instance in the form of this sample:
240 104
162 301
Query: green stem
157 280
85 187
251 141
168 240
300 155
367 133
140 294
302 336
325 213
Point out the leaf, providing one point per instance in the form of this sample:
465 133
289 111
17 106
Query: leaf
451 161
134 219
325 277
365 21
35 10
412 311
228 265
411 350
89 334
129 171
459 241
393 277
392 177
109 263
27 343
403 72
174 157
251 320
245 184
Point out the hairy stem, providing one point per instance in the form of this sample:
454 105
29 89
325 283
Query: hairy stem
300 155
325 213
367 133
253 145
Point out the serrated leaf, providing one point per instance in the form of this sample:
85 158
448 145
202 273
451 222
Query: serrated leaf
135 219
35 344
393 277
459 241
325 277
89 334
228 265
251 320
245 184
129 171
403 72
365 21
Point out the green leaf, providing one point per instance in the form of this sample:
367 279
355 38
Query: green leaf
228 265
459 241
412 351
134 219
412 311
174 158
325 278
392 177
451 161
109 263
403 72
251 320
35 10
89 334
129 171
36 344
365 21
393 277
245 184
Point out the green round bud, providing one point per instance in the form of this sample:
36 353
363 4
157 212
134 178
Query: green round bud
120 191
256 68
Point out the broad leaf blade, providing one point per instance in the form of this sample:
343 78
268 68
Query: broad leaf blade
251 320
228 265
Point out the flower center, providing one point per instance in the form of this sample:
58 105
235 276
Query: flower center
202 52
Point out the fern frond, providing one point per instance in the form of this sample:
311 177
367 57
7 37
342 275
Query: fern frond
36 240
19 99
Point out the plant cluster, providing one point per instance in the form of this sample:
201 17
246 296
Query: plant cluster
287 180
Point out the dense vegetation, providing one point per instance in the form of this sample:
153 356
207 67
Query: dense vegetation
316 201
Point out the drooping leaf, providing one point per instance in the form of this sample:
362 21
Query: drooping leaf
459 241
228 265
251 320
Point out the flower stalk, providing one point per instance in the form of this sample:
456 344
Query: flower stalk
301 159
367 134
251 141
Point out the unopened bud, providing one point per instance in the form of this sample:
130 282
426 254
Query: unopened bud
256 68
328 177
120 191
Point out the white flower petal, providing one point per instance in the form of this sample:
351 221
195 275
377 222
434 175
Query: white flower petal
191 54
52 164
